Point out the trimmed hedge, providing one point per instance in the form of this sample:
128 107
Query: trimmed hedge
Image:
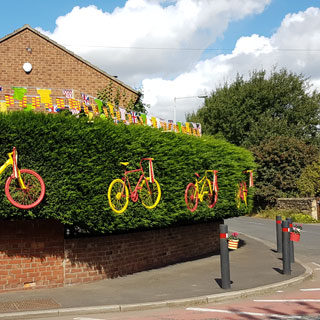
78 160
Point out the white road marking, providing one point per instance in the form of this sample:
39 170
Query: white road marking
316 264
290 300
311 289
86 319
245 313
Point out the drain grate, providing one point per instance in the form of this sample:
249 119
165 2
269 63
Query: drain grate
27 305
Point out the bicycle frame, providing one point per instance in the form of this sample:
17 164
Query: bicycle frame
134 192
202 181
12 161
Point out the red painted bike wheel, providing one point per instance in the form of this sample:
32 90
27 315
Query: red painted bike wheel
25 198
211 197
191 197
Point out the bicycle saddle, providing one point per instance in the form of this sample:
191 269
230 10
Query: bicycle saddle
197 174
124 163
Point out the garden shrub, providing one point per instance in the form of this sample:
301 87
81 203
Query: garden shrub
78 160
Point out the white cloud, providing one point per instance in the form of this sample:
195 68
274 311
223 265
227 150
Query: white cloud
295 46
149 24
142 27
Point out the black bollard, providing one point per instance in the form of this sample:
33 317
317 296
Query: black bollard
286 247
279 233
291 242
224 257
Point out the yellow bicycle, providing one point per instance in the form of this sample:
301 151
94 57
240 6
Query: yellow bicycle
147 188
24 188
203 190
242 190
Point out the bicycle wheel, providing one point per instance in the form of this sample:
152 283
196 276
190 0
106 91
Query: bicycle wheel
191 197
25 198
238 195
210 197
245 194
150 193
118 196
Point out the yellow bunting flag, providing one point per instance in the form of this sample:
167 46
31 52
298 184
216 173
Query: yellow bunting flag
3 106
78 107
9 101
85 108
154 122
111 108
118 115
23 102
187 127
105 110
45 95
60 103
35 102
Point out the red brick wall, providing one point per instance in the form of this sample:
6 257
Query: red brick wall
34 254
90 259
31 254
53 68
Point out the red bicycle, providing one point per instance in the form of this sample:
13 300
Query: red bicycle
203 189
147 188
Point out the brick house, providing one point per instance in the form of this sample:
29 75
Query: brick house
35 253
31 60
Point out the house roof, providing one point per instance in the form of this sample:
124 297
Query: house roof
27 27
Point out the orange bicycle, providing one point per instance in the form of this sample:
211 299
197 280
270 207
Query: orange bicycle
147 188
203 189
242 190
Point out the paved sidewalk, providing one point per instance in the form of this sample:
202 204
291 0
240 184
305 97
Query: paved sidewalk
254 268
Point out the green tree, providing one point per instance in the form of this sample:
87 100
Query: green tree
281 161
309 181
246 112
139 105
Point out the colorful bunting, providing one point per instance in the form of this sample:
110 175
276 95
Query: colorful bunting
118 114
19 93
99 104
68 93
9 101
3 106
45 95
35 102
23 102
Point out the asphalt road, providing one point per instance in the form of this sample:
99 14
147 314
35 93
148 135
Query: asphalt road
308 249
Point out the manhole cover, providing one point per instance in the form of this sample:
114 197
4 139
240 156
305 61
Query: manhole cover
27 305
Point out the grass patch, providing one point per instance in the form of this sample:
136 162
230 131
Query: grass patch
294 214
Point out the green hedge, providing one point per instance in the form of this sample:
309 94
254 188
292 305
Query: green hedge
78 160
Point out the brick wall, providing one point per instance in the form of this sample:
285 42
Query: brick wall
53 68
91 259
31 254
34 254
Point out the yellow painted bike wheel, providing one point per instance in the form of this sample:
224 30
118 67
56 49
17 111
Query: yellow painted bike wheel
118 196
241 196
238 196
150 197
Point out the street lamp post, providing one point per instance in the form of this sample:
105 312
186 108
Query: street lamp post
175 104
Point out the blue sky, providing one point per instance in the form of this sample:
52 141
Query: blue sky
40 13
147 43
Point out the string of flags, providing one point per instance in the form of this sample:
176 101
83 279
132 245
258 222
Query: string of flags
91 107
